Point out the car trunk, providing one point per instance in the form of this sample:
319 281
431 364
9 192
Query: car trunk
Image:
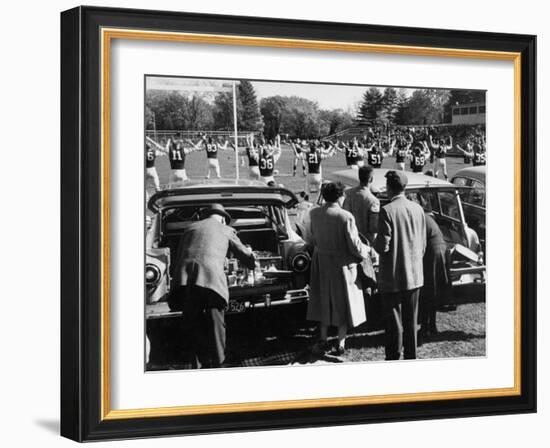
260 227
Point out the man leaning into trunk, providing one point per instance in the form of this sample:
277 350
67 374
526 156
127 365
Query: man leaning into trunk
200 285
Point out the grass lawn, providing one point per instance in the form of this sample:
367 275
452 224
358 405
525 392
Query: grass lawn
196 167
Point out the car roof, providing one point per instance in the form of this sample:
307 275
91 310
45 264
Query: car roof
473 172
224 191
213 183
415 180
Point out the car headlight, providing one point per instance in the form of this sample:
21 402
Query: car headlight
152 274
300 262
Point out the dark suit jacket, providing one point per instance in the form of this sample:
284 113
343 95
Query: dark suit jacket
201 256
401 242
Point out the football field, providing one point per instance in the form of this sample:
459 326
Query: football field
195 165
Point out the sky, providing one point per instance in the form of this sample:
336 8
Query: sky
328 96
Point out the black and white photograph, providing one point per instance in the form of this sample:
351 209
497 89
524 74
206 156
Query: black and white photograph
294 224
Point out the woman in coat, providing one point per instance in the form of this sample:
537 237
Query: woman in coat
336 298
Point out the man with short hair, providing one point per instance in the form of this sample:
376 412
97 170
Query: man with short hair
268 155
177 153
314 156
298 147
152 150
375 155
419 155
401 243
401 152
440 147
352 151
212 147
200 285
363 205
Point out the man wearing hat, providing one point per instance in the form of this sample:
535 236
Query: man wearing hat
401 243
200 285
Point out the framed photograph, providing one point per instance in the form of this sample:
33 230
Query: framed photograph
277 224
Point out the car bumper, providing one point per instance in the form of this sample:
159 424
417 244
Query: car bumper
468 275
263 300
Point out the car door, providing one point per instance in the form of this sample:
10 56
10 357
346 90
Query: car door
445 206
473 204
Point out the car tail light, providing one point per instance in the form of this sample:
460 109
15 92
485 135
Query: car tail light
152 274
300 262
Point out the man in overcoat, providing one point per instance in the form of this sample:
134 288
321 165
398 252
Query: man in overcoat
336 298
401 242
363 205
200 284
436 279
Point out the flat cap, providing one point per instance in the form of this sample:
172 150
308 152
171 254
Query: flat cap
397 177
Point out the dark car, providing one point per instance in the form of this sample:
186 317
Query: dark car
259 215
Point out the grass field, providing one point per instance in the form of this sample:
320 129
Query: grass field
196 167
251 342
284 338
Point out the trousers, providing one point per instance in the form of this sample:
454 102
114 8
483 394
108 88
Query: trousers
204 321
400 315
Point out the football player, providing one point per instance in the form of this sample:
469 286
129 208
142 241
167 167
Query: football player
152 150
176 156
419 156
375 156
440 147
401 153
316 154
299 147
353 153
252 154
211 147
268 156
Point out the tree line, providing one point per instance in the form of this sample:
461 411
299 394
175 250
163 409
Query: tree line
297 116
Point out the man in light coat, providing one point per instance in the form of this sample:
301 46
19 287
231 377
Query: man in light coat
363 205
200 285
401 243
336 298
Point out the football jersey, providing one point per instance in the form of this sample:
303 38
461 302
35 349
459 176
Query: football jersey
211 150
267 164
352 155
374 159
176 156
418 162
313 159
150 155
401 155
468 157
385 146
298 148
480 158
440 152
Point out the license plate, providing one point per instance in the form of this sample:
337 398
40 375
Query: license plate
235 307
